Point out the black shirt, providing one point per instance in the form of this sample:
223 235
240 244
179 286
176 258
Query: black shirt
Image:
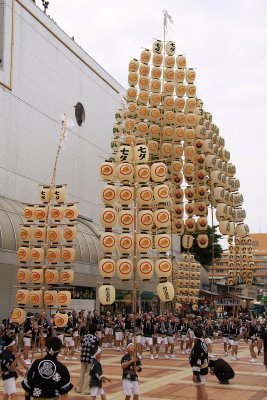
96 374
7 360
129 373
47 378
199 358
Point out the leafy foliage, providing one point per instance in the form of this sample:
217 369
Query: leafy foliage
204 256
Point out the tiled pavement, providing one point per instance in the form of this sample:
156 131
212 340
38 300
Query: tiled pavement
170 379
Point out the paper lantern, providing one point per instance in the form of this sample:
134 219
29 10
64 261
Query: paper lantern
53 255
41 213
23 297
131 94
68 254
177 195
39 233
143 242
179 75
170 48
54 234
179 210
29 212
23 275
144 196
155 87
66 276
124 154
178 226
51 276
141 154
125 243
37 276
177 151
157 60
109 194
36 298
202 224
132 78
23 254
108 217
165 291
60 319
157 47
155 99
163 268
69 233
37 255
142 173
190 209
108 242
18 316
71 212
181 61
143 82
133 65
107 267
108 171
106 294
145 269
145 56
180 89
176 166
154 131
190 224
201 208
162 218
166 150
45 193
190 90
187 241
126 218
25 233
188 169
153 147
242 230
50 298
162 242
145 220
158 172
57 212
202 241
125 195
64 298
124 269
125 172
161 193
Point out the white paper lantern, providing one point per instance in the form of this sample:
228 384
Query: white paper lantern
158 172
145 220
107 267
162 242
165 291
108 242
145 269
163 268
144 196
143 242
106 294
125 243
124 269
125 172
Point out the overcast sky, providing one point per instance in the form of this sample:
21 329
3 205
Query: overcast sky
226 41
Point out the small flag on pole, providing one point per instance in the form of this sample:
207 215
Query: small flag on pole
66 124
166 17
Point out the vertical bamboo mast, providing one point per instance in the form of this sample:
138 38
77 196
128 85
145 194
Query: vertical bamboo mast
135 258
46 224
212 244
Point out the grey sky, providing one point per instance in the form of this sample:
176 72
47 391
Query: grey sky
225 40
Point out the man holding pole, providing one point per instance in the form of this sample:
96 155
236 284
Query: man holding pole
131 364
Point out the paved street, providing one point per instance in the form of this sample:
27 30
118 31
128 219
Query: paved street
170 379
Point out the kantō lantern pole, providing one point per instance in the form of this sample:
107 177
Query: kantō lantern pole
47 250
168 165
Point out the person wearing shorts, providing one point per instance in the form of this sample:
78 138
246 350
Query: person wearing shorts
171 328
233 340
97 377
199 363
9 369
147 337
224 328
131 364
68 339
27 336
161 331
208 337
119 327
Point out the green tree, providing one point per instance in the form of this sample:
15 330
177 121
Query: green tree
204 256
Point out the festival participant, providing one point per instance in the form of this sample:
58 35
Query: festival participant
233 339
138 334
108 329
253 335
45 330
90 343
9 368
161 331
171 329
224 328
119 328
97 320
48 378
199 363
147 336
28 330
208 335
68 338
75 321
222 370
97 377
130 364
129 328
184 339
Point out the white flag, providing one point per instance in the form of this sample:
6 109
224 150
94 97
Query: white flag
166 17
66 124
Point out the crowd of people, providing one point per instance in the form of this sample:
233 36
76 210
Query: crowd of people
87 334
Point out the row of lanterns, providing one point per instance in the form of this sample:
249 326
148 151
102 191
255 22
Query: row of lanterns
47 243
